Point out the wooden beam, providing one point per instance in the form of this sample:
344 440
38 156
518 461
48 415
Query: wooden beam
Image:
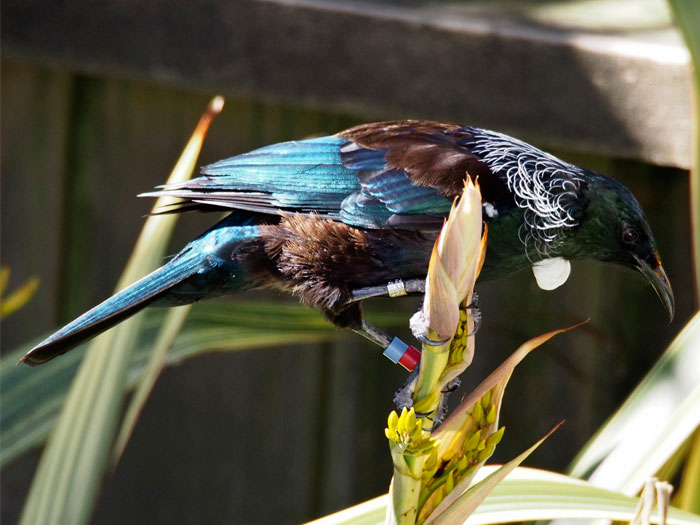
617 93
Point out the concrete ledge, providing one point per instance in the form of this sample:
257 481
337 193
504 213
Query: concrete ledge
621 92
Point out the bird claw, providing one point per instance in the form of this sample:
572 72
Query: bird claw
403 398
476 313
452 386
431 342
420 331
441 412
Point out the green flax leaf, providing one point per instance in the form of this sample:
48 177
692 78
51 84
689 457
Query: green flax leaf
166 337
527 494
652 423
67 481
462 502
31 398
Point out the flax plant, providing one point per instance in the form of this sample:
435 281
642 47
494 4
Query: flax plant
445 321
454 266
433 470
66 484
12 302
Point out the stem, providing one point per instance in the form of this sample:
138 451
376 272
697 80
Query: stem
405 491
433 363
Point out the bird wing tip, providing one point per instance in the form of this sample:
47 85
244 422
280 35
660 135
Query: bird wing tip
28 359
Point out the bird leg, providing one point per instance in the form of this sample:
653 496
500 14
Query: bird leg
392 289
374 334
395 349
403 397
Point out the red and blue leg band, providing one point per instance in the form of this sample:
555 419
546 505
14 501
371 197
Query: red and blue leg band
405 355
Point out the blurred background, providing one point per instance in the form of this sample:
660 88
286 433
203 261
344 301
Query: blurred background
98 100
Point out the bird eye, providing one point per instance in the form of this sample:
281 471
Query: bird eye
629 235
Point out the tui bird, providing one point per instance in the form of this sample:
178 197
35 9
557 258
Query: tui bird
337 219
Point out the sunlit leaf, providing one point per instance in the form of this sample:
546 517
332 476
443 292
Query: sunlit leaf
463 501
71 470
32 397
166 337
527 494
449 431
687 17
652 423
688 494
17 299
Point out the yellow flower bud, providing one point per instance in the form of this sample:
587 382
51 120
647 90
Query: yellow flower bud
486 400
495 438
478 414
450 482
472 441
393 420
491 415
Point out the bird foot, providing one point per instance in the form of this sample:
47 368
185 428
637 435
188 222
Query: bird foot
476 313
403 398
420 330
441 412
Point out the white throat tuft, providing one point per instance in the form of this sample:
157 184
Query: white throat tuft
551 273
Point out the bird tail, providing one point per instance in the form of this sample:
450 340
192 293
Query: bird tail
112 311
204 268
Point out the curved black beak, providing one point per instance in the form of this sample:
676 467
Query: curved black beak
656 276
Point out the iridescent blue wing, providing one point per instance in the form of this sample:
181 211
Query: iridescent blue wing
401 175
305 176
388 197
414 168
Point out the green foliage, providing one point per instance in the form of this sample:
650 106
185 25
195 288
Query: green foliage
686 14
73 464
654 421
526 495
32 397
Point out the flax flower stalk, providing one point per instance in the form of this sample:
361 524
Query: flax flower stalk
454 266
411 446
433 470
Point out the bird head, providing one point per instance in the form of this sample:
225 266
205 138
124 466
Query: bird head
613 229
565 212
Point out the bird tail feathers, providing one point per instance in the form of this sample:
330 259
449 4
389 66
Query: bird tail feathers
115 309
